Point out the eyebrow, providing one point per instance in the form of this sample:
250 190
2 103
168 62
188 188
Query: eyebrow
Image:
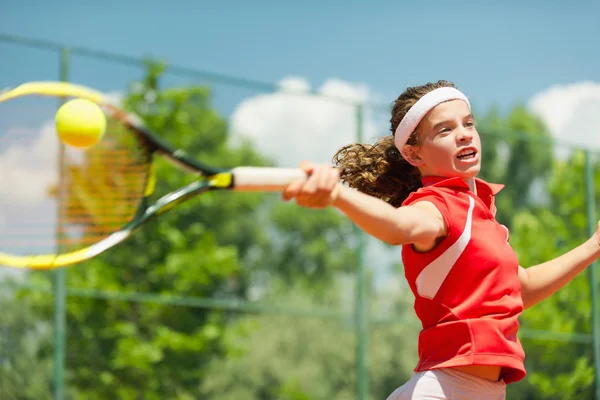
439 124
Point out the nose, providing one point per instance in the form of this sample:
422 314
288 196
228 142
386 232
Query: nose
464 135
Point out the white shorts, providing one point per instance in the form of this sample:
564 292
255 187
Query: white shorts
448 384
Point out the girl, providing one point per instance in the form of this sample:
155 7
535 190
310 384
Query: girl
418 189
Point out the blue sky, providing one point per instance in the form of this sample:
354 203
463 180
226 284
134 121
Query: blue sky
541 53
498 52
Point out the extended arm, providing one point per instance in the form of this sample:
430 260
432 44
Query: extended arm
543 280
420 223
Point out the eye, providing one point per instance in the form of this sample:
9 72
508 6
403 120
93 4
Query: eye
470 124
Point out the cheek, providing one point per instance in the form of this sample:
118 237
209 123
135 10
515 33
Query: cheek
438 155
442 148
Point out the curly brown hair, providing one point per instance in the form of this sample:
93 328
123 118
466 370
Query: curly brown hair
379 169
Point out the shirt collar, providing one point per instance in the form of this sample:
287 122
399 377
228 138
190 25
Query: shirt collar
458 183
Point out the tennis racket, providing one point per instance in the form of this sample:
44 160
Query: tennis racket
61 205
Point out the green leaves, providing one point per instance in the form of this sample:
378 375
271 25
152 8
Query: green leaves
219 246
25 362
517 151
558 369
124 343
573 384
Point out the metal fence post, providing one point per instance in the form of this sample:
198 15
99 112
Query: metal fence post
592 269
361 323
60 275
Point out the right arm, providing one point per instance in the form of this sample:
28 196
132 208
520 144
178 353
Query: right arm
420 223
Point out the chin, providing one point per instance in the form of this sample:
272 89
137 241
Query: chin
470 173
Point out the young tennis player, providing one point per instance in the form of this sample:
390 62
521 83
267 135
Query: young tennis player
418 188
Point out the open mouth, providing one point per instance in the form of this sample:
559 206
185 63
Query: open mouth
467 155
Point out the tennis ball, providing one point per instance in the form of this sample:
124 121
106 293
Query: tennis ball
80 123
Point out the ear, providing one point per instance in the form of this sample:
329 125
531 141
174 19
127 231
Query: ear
411 155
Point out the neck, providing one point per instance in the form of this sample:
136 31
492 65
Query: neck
471 183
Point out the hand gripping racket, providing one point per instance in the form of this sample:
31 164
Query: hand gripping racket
100 195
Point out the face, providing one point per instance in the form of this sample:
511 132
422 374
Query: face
449 144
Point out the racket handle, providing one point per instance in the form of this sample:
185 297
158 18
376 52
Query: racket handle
264 179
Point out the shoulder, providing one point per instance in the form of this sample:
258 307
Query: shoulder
442 198
438 200
452 204
437 194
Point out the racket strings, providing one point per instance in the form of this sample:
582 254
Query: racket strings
57 199
102 195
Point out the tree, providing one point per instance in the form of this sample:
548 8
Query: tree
544 206
273 358
306 358
517 151
133 349
309 247
540 235
248 246
218 246
25 360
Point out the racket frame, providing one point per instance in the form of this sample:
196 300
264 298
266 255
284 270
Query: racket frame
264 179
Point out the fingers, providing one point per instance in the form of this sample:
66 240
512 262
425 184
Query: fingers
307 166
319 188
292 190
318 191
295 188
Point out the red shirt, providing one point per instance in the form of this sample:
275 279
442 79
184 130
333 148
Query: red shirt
467 290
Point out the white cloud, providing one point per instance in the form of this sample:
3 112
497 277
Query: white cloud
571 112
27 167
29 162
292 125
294 84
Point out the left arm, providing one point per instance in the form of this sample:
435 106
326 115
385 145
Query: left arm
543 280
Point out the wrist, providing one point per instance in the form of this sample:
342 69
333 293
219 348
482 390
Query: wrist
593 244
335 195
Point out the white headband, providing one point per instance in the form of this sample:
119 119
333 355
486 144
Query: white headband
416 113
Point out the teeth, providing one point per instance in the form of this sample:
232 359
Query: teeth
468 154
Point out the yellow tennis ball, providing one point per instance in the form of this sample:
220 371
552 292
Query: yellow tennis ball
80 123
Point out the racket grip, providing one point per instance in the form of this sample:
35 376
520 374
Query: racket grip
265 179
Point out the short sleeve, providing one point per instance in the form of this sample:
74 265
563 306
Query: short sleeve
434 197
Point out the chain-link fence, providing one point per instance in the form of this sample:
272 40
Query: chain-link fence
291 304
